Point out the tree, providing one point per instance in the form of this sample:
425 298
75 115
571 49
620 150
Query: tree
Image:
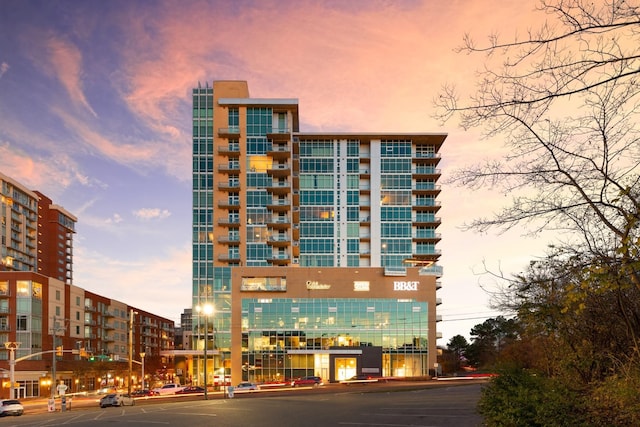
489 339
565 100
457 347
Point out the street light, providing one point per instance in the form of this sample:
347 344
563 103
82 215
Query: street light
142 354
207 310
12 347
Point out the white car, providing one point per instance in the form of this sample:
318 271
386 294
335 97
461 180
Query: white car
116 399
246 386
10 407
167 389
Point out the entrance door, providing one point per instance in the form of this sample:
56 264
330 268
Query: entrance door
346 368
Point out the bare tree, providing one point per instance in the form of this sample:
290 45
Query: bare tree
565 101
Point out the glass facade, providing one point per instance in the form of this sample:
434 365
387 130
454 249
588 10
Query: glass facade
276 331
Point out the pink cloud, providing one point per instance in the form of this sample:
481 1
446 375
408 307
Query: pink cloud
66 61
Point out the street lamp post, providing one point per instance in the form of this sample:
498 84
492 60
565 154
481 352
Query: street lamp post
131 314
12 347
207 310
142 354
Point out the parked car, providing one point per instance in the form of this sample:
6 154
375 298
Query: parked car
116 399
142 393
167 389
310 380
191 389
246 386
11 407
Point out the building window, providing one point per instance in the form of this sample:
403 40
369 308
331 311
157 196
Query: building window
21 322
58 295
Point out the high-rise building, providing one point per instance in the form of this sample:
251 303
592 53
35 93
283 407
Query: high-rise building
57 331
314 252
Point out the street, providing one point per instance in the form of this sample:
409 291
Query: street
434 404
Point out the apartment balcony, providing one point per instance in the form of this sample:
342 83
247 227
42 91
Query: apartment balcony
229 204
108 313
279 223
279 170
279 134
229 168
229 257
279 205
279 187
426 172
229 222
5 310
426 189
90 322
279 151
228 239
108 326
433 270
425 155
424 220
279 241
424 259
5 328
280 259
108 338
438 301
424 205
229 186
427 237
230 132
230 150
5 293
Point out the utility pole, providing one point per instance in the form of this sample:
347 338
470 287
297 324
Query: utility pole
131 315
53 360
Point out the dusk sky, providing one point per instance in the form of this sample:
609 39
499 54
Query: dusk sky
95 112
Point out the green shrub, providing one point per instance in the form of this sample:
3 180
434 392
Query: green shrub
521 398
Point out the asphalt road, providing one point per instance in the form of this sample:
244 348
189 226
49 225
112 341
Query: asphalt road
433 404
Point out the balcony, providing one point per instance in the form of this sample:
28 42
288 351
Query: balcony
229 186
279 134
430 237
426 188
229 257
279 205
229 168
279 169
280 259
426 172
279 223
279 151
230 150
228 239
427 220
229 204
279 187
229 222
230 132
279 241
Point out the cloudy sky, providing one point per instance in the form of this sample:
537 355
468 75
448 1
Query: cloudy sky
95 112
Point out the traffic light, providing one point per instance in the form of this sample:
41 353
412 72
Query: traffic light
91 359
59 350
